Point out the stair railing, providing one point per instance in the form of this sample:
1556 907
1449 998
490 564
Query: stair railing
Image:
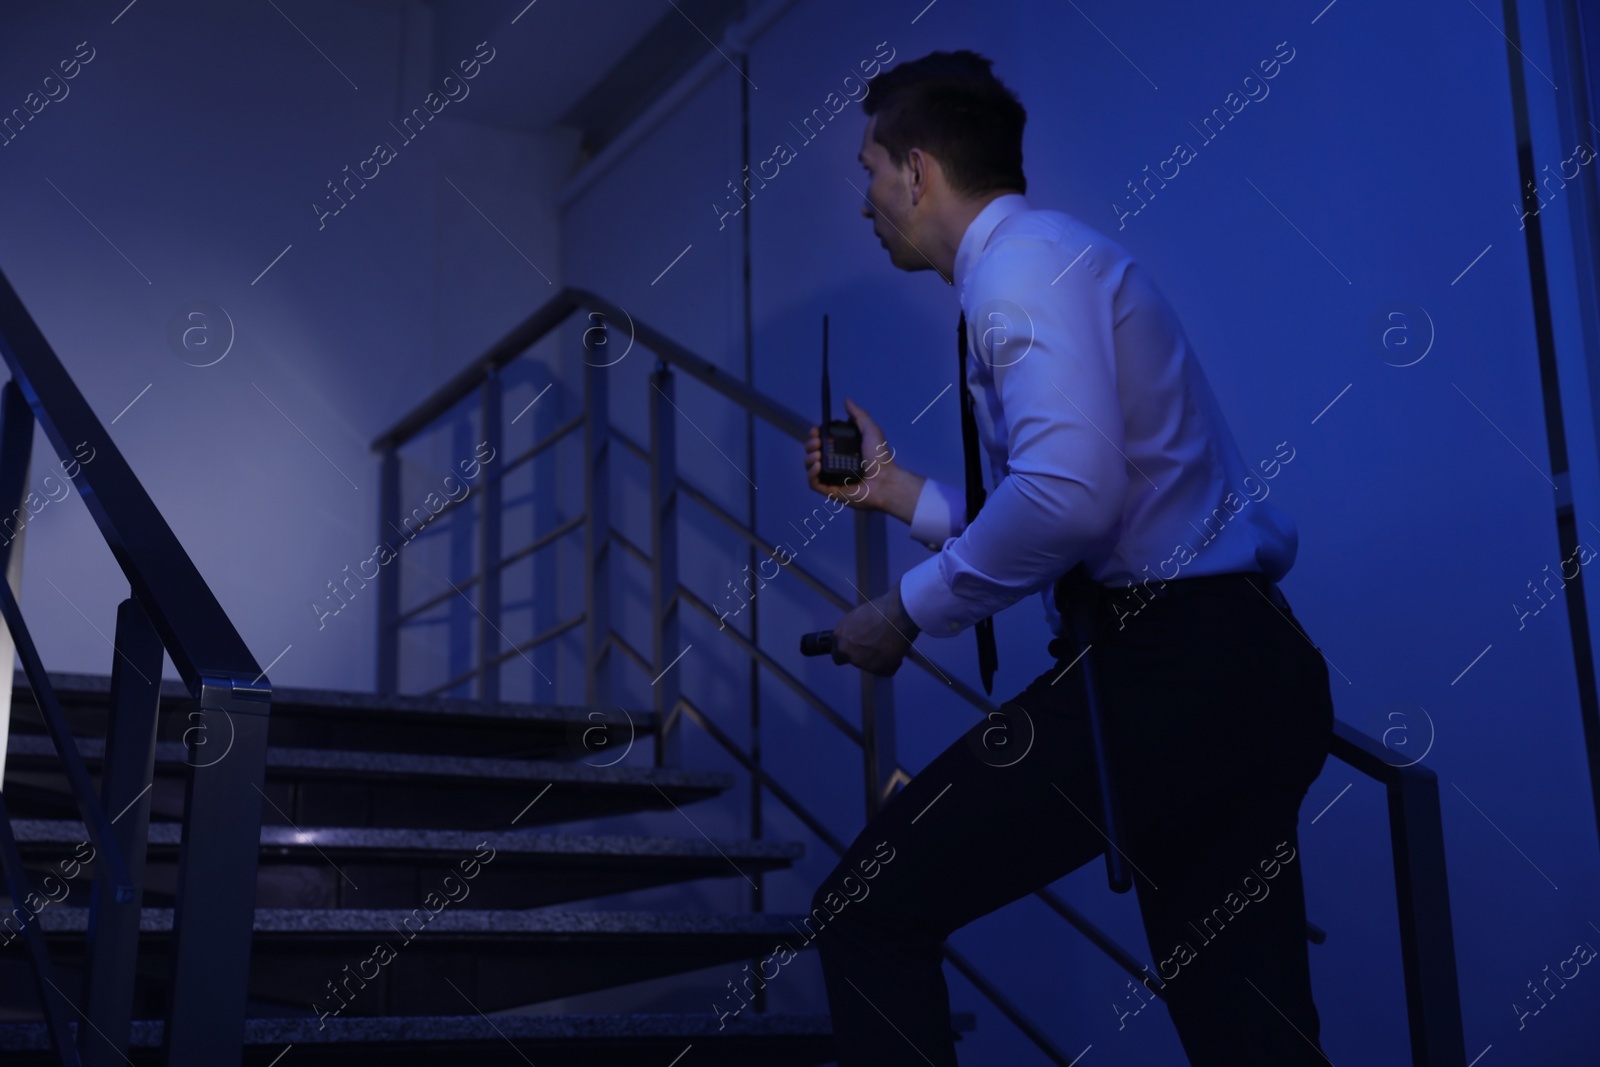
1427 945
169 608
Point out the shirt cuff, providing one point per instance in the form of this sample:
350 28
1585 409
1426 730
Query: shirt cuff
938 516
926 597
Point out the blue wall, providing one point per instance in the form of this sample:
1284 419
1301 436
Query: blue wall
1375 175
1370 172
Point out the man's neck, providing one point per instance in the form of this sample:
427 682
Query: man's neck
958 221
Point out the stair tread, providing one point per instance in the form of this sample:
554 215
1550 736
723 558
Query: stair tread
170 753
29 1036
299 701
500 923
453 842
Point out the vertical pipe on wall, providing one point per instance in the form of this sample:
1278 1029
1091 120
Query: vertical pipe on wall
597 523
759 882
746 274
1555 422
1571 32
489 522
665 636
388 577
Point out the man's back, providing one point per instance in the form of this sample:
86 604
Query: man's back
1043 286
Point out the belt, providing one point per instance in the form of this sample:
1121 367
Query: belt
1114 603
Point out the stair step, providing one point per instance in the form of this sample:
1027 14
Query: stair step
395 868
498 958
331 718
308 786
505 1041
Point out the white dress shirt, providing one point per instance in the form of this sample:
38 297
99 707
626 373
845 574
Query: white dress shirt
1105 442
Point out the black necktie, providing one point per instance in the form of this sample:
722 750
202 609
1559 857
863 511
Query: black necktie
988 658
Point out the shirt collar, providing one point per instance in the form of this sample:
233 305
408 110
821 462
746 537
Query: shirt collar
978 233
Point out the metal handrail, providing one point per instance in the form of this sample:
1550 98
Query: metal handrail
544 321
198 635
1433 1002
171 607
1422 896
482 377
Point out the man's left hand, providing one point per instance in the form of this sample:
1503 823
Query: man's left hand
875 636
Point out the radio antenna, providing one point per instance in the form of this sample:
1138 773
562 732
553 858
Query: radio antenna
827 400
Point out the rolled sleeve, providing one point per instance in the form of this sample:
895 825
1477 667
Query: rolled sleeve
925 595
940 514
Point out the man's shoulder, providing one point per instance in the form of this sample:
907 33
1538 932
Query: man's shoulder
1052 247
1051 227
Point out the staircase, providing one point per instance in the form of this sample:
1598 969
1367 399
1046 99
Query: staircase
377 808
340 876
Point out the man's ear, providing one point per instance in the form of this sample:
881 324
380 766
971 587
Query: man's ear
917 173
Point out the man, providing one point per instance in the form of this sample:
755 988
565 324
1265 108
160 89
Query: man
1110 464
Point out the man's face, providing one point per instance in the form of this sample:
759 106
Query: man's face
888 203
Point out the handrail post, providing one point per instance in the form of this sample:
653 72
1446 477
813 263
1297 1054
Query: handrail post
665 633
1427 941
597 522
16 454
113 941
489 519
213 919
389 577
877 692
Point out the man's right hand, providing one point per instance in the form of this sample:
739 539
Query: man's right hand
887 487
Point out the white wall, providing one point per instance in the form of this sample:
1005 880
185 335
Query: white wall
196 140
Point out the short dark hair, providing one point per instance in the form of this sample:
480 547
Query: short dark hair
951 105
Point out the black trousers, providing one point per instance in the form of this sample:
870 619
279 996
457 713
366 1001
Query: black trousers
1217 717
